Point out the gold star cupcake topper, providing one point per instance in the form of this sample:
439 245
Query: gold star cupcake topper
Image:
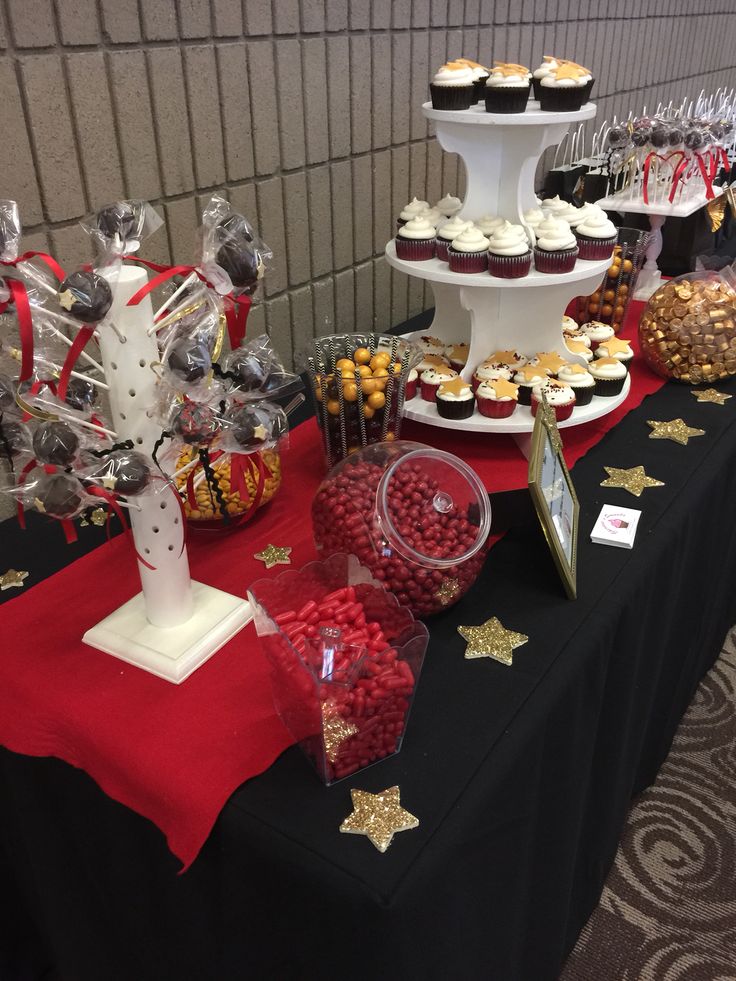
335 730
676 430
491 639
504 388
503 357
576 369
617 345
569 69
506 68
532 371
577 347
711 395
274 555
634 480
549 361
456 386
13 578
378 816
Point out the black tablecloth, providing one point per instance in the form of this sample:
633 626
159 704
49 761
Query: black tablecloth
521 777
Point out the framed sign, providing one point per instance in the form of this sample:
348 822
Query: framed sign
554 497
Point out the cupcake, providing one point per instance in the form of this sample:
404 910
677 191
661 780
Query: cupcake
434 216
549 63
431 379
514 359
415 240
497 399
581 347
609 376
547 361
526 378
570 326
565 88
457 355
553 207
556 249
447 231
616 347
468 253
480 76
412 383
432 361
490 371
452 87
560 398
596 237
582 213
411 210
597 332
455 399
488 224
509 255
569 214
532 218
580 380
449 205
507 88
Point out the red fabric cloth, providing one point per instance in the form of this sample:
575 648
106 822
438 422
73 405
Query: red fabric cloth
175 753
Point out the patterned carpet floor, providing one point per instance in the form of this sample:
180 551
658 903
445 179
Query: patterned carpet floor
668 908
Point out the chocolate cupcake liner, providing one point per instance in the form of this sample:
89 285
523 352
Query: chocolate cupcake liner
450 409
451 97
525 394
480 88
552 99
608 387
512 98
555 262
414 249
441 247
595 248
537 88
583 394
509 266
587 89
495 408
467 262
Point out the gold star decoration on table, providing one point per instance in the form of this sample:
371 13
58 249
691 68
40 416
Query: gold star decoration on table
634 480
448 591
12 578
274 555
492 639
335 730
378 816
711 395
98 517
676 429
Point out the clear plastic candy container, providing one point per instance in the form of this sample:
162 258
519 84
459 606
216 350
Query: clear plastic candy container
417 517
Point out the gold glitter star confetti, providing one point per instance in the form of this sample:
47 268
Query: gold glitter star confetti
274 555
492 639
379 816
335 730
448 591
711 395
634 480
676 430
12 578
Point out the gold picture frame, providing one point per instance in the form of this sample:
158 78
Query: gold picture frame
554 497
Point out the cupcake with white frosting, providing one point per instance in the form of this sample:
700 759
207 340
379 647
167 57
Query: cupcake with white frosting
454 399
434 216
580 347
580 381
449 205
584 211
497 399
430 345
458 355
618 348
415 240
556 249
609 376
488 224
596 237
509 255
569 324
507 88
490 371
597 332
452 87
480 76
527 378
533 217
565 88
412 384
549 63
468 253
560 398
553 207
431 379
432 361
411 210
447 231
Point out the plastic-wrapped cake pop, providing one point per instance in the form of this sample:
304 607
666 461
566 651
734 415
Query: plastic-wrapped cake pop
15 439
196 423
252 427
120 227
10 231
59 495
81 395
254 370
124 472
188 360
230 244
659 135
86 295
55 442
618 137
7 393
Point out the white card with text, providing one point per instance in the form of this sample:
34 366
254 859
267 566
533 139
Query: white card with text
615 526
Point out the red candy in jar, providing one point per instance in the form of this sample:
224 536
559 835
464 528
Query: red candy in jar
417 517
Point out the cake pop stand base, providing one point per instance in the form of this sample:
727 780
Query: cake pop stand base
171 653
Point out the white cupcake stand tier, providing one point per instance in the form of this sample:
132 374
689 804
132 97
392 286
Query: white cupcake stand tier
501 153
173 625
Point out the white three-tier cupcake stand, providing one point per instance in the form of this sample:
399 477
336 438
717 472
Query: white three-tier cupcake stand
500 153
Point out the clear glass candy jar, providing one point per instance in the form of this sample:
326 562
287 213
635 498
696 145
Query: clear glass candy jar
417 517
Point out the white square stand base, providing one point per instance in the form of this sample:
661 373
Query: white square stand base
171 653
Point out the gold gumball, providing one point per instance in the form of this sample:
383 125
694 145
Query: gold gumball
362 355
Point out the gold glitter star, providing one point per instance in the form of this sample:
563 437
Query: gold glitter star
634 480
676 430
492 639
98 517
274 555
12 578
379 816
67 299
334 730
711 395
448 591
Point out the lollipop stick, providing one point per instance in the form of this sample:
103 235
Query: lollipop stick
14 353
62 336
167 303
185 469
170 318
86 425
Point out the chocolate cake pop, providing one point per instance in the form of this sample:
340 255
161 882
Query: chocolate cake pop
195 423
659 136
81 394
59 495
125 472
55 442
86 295
618 137
118 222
251 371
237 253
14 439
189 360
694 138
250 426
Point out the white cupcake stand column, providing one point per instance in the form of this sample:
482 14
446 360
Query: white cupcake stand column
173 625
501 153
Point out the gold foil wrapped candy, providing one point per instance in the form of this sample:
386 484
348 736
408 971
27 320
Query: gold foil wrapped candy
688 329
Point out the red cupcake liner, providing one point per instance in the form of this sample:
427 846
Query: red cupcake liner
467 262
595 248
411 389
509 266
414 249
495 408
555 262
440 249
562 412
428 392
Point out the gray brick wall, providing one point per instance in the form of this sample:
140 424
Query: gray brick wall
306 113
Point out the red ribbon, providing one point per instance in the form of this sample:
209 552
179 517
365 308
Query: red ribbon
239 464
44 256
78 345
679 171
25 326
236 316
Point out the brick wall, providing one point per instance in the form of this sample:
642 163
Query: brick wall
306 113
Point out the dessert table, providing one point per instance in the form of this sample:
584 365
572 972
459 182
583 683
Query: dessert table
520 776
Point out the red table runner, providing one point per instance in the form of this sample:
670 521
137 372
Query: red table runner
175 753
